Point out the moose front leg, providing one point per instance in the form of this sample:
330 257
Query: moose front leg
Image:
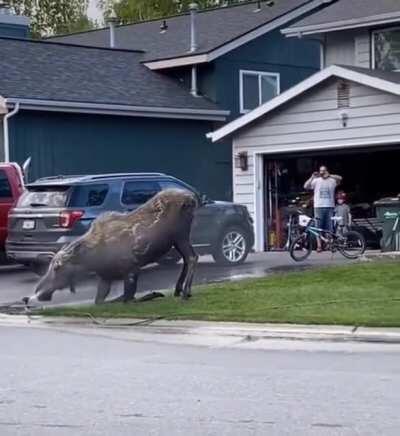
103 289
130 288
181 280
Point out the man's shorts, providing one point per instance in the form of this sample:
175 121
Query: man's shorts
323 217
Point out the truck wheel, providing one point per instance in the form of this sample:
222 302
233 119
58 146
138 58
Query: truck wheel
233 247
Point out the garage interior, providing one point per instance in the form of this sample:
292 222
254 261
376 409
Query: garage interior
369 174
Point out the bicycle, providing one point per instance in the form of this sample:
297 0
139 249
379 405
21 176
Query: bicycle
350 244
293 228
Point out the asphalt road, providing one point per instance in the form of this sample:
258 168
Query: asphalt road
58 383
17 282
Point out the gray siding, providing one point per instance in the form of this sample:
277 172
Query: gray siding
312 121
348 48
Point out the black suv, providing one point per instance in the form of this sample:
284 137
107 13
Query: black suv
55 210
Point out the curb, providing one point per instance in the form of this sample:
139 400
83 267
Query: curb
161 330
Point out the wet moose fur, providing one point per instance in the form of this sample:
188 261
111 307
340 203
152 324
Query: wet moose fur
118 245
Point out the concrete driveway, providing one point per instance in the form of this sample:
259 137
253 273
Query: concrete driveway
17 282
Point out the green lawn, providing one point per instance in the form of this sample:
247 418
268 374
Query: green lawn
363 294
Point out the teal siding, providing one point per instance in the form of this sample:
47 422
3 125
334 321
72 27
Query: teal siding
294 59
61 143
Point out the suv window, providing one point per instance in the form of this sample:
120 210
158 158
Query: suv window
169 184
5 187
44 196
89 195
138 192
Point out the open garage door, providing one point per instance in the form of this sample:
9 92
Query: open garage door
368 175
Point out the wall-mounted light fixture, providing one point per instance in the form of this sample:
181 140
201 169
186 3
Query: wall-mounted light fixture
344 116
242 161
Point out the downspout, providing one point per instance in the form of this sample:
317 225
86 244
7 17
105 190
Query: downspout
6 131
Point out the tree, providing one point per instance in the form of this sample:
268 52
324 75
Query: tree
138 10
50 17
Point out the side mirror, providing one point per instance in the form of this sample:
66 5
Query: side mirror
25 169
204 199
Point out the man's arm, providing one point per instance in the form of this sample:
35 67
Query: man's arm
308 185
337 178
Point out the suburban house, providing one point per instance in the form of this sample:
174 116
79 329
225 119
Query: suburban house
142 97
345 116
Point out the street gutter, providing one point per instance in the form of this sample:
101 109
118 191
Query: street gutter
203 332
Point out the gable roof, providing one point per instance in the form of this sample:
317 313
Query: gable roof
216 28
384 81
347 14
88 77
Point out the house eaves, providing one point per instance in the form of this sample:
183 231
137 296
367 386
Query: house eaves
362 76
113 109
199 58
354 23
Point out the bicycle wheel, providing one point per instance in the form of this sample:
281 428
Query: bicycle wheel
351 245
301 247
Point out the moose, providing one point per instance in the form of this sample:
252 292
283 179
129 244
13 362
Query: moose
118 245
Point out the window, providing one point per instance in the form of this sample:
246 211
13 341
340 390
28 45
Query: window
386 49
45 196
5 188
169 184
138 192
89 195
257 87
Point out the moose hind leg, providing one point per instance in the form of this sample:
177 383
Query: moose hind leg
181 279
103 289
190 259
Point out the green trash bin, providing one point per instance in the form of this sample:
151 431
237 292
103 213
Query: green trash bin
388 212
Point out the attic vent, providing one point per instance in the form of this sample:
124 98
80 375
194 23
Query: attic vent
343 94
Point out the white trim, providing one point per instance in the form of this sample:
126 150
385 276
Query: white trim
332 71
355 23
259 74
387 29
177 62
323 146
258 192
114 109
244 39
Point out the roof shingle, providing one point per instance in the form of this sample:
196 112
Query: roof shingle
215 28
347 10
59 72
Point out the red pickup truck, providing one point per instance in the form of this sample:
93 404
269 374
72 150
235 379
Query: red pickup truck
11 188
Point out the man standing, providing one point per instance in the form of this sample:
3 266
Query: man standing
324 185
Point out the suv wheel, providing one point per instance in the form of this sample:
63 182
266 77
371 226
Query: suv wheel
233 247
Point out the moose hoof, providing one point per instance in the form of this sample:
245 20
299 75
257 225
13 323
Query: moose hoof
177 293
186 297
